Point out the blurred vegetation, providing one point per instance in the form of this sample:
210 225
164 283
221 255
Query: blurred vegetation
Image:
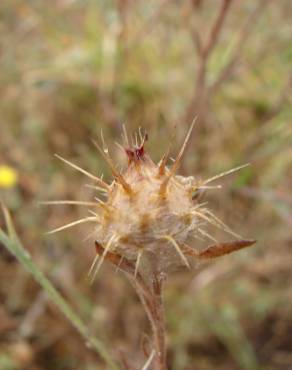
70 68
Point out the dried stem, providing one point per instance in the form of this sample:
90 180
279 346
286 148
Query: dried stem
216 29
197 103
203 91
243 36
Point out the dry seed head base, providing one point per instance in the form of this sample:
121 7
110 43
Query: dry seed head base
151 215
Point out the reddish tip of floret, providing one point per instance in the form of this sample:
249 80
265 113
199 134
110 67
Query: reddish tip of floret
138 153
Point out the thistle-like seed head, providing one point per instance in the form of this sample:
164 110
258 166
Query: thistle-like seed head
151 214
147 217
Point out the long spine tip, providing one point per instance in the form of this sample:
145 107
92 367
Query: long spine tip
178 159
86 173
119 178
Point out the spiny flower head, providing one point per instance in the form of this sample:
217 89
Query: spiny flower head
150 215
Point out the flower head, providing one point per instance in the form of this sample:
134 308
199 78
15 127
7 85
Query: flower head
8 177
151 214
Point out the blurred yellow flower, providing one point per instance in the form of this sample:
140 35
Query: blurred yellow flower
8 177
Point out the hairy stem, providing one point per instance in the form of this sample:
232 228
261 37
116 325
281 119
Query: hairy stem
154 308
158 326
149 291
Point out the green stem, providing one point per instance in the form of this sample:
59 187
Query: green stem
14 246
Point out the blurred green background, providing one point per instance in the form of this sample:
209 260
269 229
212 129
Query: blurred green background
70 68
